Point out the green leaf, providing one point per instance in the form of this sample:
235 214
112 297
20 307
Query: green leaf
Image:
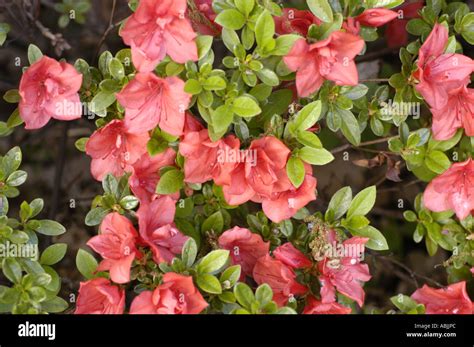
356 92
189 252
86 264
231 39
467 28
12 96
34 53
96 215
230 19
376 241
171 182
321 9
295 171
309 139
264 294
55 305
116 68
204 44
350 127
446 145
14 120
231 274
339 204
209 283
129 202
315 156
17 178
245 6
214 83
362 202
308 116
221 118
214 222
245 106
244 295
213 261
268 77
101 101
4 29
403 303
50 228
437 162
53 254
12 270
80 144
264 29
193 87
284 43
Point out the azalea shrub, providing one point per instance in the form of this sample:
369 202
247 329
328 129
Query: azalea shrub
211 128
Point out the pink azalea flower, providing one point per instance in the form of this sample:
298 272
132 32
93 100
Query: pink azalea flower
49 89
155 224
280 277
284 205
99 296
450 300
261 173
457 113
438 73
205 160
396 33
294 21
116 244
158 28
145 174
315 306
205 26
452 190
292 257
113 149
150 101
346 275
376 17
330 59
176 295
245 248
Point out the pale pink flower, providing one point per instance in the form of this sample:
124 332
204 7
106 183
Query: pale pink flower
245 248
116 244
176 295
450 300
114 150
157 29
452 190
330 59
49 89
150 101
438 73
99 296
156 229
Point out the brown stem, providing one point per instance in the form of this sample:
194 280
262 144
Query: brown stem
367 143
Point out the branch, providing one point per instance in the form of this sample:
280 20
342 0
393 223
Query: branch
367 143
110 27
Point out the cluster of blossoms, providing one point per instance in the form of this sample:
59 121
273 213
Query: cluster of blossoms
151 246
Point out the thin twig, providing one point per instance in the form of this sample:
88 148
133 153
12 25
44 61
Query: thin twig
367 143
414 275
110 27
